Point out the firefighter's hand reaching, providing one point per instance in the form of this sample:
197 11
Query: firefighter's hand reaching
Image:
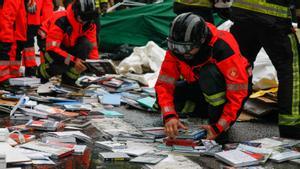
79 66
172 126
211 134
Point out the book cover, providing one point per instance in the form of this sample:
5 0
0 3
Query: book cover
55 151
100 67
46 125
237 158
149 158
114 156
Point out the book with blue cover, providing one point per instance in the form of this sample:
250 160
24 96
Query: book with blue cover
112 99
111 113
147 102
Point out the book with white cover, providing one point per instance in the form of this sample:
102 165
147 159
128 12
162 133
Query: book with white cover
284 154
24 81
110 145
12 155
237 158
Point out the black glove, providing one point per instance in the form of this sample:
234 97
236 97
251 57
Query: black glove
30 71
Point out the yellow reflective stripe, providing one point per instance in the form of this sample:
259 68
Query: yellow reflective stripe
188 107
203 3
166 79
43 71
68 59
48 57
296 75
53 44
72 73
263 7
289 120
10 63
215 99
236 87
97 3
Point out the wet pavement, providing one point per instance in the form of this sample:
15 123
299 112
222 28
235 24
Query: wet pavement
240 131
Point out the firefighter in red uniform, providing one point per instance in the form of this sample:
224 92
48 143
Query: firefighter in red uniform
70 39
12 36
216 75
37 13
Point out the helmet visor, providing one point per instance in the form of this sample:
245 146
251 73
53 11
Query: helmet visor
180 47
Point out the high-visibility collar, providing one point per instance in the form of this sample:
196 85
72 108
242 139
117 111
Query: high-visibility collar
203 3
264 7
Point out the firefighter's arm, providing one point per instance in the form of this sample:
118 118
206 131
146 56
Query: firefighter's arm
236 77
164 87
53 41
91 35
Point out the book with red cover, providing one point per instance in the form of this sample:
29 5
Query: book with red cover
27 137
181 142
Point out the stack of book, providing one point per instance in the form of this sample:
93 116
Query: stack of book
45 125
24 81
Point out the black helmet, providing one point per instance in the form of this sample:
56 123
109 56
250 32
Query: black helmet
86 9
187 31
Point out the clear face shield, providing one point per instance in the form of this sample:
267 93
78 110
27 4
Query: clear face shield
181 48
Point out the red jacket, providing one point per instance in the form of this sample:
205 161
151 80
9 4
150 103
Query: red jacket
13 21
63 28
44 9
233 67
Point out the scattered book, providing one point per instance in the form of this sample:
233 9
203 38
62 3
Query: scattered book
54 150
111 113
237 158
180 142
110 145
77 134
111 99
46 125
34 113
114 156
100 67
24 81
192 134
147 102
22 138
149 158
113 82
135 137
283 154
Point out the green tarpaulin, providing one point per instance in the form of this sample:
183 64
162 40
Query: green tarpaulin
136 26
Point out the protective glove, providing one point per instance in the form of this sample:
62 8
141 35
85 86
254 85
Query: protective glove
31 6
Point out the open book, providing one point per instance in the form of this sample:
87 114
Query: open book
100 67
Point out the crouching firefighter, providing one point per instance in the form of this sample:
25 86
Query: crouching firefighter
216 75
69 38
